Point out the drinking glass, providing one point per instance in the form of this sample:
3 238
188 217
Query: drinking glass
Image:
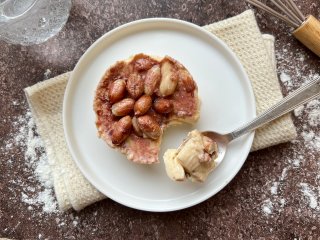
29 22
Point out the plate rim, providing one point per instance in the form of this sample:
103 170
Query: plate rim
72 79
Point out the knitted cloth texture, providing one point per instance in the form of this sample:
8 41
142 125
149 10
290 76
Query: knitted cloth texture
240 33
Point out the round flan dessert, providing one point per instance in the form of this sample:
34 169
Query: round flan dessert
138 98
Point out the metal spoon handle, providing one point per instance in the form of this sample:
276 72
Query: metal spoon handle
298 97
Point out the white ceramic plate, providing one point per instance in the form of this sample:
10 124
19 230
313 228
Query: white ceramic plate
227 102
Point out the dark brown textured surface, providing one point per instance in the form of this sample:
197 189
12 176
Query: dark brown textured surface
235 213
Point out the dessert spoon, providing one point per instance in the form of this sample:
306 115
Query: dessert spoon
300 96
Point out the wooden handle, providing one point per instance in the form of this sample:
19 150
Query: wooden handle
309 34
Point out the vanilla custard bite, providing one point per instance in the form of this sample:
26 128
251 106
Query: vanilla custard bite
194 159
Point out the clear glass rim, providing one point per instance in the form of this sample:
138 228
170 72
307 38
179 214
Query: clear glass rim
17 40
19 15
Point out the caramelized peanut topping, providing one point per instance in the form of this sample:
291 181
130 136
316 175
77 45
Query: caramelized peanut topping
137 98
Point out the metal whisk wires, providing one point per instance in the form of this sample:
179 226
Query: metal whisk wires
288 11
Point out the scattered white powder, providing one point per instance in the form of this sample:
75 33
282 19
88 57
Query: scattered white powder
27 199
311 117
298 111
267 207
316 143
274 188
275 202
47 74
308 136
296 163
314 117
311 140
310 195
293 65
43 172
286 79
301 57
283 174
315 103
46 199
294 72
36 165
34 144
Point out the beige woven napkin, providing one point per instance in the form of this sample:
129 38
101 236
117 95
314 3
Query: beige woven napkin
241 33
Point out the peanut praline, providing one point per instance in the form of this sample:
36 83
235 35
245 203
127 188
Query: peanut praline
138 98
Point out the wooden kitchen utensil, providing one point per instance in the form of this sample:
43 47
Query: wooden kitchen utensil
307 29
